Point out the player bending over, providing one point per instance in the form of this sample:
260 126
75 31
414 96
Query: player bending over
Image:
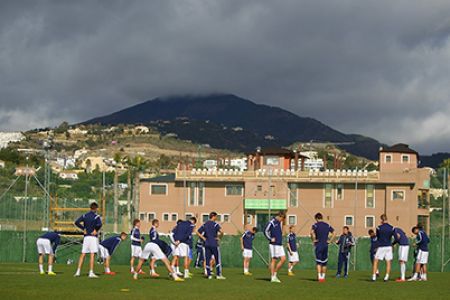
384 251
247 248
136 243
151 249
292 250
320 235
212 232
401 239
422 241
90 223
106 249
46 245
274 233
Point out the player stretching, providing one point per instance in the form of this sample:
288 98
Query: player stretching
320 235
212 232
274 233
247 248
422 241
152 250
106 249
154 237
384 252
90 223
136 243
181 235
46 245
292 250
401 239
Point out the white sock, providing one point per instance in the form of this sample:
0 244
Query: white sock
186 272
275 275
323 275
107 270
78 272
132 269
386 277
245 270
177 269
402 271
290 269
91 272
374 276
41 268
50 268
424 276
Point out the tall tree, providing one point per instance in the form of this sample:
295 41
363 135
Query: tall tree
138 164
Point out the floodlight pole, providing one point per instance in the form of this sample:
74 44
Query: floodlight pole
444 181
354 216
24 247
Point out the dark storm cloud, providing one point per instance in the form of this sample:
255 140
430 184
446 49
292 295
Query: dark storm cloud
378 68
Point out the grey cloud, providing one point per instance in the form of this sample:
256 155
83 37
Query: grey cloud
375 68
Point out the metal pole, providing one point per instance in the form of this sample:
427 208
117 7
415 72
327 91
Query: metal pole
185 190
269 196
24 247
354 214
443 222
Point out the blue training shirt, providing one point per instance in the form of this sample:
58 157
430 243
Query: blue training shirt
111 243
182 232
210 231
384 234
292 240
90 221
322 231
373 244
247 239
272 230
422 241
54 239
154 235
135 237
400 237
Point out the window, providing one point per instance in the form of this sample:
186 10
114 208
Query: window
219 218
398 195
196 193
405 158
388 158
272 190
249 219
165 217
151 216
328 203
423 221
174 217
158 189
188 216
226 218
205 217
271 161
348 220
370 221
370 196
292 220
259 188
293 194
339 191
142 216
234 190
422 199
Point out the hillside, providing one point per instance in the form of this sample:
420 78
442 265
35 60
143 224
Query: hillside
249 124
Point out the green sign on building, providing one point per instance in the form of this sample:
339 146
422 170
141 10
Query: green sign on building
265 204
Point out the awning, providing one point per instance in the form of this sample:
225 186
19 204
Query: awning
280 204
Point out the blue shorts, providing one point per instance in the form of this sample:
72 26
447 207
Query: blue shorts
321 254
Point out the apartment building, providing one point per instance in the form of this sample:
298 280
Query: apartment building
276 181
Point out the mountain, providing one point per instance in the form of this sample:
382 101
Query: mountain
435 160
230 122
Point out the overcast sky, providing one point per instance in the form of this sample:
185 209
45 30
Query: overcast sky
379 68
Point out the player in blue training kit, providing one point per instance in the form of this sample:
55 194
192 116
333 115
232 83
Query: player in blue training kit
385 232
247 248
212 232
154 237
345 242
320 235
292 250
46 245
90 223
106 249
199 256
401 239
180 238
422 241
373 247
136 243
274 233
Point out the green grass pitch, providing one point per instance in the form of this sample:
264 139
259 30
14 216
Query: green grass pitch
21 281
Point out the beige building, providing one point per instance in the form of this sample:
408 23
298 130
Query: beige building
276 181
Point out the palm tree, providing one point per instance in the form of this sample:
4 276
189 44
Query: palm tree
138 164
